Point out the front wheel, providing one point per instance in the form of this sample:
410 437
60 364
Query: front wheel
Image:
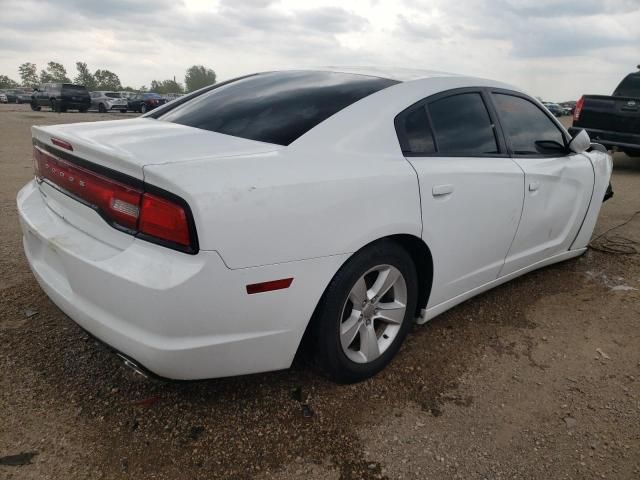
55 106
365 314
102 108
143 108
35 107
123 110
632 153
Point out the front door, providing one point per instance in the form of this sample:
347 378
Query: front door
471 191
558 184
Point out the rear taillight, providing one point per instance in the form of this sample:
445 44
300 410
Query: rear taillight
578 109
161 219
164 219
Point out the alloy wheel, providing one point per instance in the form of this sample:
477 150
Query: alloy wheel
373 313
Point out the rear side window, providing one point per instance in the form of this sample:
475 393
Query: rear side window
418 138
276 107
526 125
629 87
461 125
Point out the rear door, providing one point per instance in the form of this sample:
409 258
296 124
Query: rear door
558 184
471 191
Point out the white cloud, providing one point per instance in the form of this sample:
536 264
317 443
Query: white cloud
557 49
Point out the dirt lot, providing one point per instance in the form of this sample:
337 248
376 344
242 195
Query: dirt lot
539 379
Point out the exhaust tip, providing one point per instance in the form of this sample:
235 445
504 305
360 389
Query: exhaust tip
132 365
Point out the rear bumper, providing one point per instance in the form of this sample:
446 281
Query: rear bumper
179 316
623 141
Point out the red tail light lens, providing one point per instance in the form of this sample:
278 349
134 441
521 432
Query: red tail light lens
128 208
164 219
578 110
115 201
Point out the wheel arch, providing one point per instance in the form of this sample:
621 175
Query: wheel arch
422 259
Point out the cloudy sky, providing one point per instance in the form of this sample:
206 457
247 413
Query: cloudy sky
556 49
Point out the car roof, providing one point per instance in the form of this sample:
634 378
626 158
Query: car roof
393 73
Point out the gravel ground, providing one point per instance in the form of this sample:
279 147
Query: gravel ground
539 378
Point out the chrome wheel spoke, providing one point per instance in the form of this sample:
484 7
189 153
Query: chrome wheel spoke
358 294
391 312
369 347
349 329
386 279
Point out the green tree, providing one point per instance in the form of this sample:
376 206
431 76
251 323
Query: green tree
84 77
6 82
55 72
107 80
28 74
199 76
166 86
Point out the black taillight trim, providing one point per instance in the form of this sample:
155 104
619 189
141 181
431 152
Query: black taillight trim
192 249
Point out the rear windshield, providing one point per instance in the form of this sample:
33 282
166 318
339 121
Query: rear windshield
151 95
274 107
112 95
67 87
629 87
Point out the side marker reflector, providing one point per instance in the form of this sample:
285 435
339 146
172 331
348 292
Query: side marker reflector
269 286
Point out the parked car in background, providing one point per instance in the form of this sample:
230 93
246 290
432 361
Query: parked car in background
3 97
11 95
104 101
60 97
554 108
613 121
127 94
172 96
146 101
24 97
206 238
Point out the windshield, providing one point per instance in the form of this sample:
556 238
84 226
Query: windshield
276 107
75 88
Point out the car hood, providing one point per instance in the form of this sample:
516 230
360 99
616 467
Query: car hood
129 145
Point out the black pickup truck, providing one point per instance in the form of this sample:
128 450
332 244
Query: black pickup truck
612 121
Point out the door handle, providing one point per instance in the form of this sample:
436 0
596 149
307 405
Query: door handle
440 190
534 186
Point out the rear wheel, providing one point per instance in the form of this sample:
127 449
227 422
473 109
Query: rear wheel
102 108
55 106
123 110
35 107
632 153
366 312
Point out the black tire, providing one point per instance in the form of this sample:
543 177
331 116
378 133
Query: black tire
143 108
35 107
632 153
123 110
327 350
102 108
83 110
55 106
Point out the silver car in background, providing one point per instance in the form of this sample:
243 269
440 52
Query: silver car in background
104 101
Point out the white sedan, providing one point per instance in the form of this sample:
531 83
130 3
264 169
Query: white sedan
208 237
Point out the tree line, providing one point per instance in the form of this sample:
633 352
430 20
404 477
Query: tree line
196 76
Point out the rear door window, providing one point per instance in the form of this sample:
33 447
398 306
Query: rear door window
526 126
462 125
276 107
414 132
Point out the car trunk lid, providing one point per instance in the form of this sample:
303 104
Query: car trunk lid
119 150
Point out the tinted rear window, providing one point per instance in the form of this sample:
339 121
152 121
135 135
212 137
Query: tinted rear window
629 87
276 107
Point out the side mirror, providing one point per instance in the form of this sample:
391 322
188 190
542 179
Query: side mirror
580 142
